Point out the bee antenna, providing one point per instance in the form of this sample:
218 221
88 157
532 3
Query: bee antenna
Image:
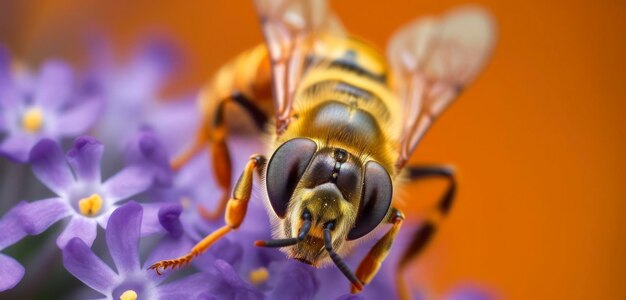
328 243
304 231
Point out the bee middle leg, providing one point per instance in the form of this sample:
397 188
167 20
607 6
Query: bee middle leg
236 209
215 132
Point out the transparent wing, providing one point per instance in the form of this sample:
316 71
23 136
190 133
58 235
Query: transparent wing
290 28
433 60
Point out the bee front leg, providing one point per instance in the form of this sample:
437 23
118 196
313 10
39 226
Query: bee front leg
370 265
236 209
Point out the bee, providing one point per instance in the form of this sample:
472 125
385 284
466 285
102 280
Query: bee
343 122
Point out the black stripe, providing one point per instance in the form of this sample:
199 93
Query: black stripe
342 87
259 117
351 65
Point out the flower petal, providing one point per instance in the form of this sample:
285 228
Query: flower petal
50 167
55 85
16 147
85 158
468 291
224 283
11 272
79 260
80 227
188 287
8 90
169 218
35 217
150 221
122 235
167 248
351 297
129 181
79 118
146 149
10 229
283 285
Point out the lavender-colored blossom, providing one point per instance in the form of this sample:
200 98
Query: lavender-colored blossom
81 195
132 91
131 279
11 271
48 105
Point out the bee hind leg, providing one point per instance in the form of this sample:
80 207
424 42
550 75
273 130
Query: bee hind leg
236 209
427 230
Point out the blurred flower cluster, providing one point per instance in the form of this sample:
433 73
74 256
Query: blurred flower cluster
100 140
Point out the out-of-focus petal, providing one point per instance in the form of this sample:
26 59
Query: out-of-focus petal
37 216
150 221
79 118
350 297
11 272
146 149
284 286
55 85
80 227
169 218
50 167
8 91
188 287
85 158
5 65
10 229
122 235
16 147
224 283
469 292
167 248
87 267
129 181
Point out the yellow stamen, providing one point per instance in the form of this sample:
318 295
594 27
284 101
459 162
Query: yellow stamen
91 205
32 120
259 275
129 295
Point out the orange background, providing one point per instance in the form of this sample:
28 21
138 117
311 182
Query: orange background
538 139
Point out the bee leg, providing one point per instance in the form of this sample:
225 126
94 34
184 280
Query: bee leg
370 265
236 209
427 230
217 133
201 140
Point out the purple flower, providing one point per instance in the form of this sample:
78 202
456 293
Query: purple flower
132 92
470 291
131 279
11 271
46 106
81 194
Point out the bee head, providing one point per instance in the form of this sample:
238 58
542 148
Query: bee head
325 187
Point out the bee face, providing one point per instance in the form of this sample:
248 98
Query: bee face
324 186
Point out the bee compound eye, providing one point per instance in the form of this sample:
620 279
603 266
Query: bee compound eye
375 200
285 169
